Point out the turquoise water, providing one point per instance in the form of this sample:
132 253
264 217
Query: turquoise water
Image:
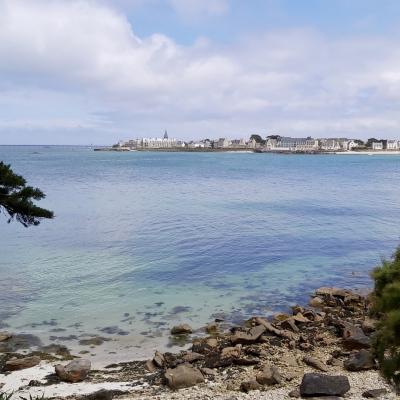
144 240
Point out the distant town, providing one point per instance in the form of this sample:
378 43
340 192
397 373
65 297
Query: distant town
256 143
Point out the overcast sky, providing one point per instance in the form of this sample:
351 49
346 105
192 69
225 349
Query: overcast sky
96 71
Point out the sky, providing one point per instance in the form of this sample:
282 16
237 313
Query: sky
97 71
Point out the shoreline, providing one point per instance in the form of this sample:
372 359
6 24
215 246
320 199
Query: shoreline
230 358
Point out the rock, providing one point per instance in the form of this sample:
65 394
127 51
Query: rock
248 386
183 329
368 325
248 337
5 336
151 366
335 292
324 385
208 371
289 360
231 352
278 332
75 371
359 361
192 357
374 393
295 393
316 302
289 324
159 359
95 341
183 376
212 342
300 319
317 364
281 317
354 338
22 363
212 328
102 394
269 376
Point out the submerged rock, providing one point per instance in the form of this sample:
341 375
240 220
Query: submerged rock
75 371
183 329
324 385
183 376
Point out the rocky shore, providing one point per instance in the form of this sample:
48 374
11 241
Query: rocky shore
318 351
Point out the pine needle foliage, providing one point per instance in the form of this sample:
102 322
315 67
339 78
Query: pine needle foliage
17 199
387 308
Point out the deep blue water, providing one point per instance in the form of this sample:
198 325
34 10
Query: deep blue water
145 233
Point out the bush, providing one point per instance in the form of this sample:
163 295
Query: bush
386 306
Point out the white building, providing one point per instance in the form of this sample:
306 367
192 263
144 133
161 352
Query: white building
377 146
393 145
296 144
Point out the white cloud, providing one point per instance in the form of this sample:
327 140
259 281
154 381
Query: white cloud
199 8
74 58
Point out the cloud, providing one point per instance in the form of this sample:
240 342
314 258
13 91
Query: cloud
68 61
190 9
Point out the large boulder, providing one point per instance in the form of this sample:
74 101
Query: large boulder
183 376
249 336
183 329
359 361
354 338
324 385
75 371
22 363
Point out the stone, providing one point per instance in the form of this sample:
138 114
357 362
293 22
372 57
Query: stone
300 318
316 302
360 361
212 328
192 357
281 317
5 336
354 338
368 325
374 393
208 371
102 394
295 393
248 386
183 376
159 359
290 325
183 329
212 342
248 337
17 364
269 376
324 385
75 371
231 352
151 366
277 332
317 364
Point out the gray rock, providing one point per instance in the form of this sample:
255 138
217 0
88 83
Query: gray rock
183 329
324 385
183 376
269 376
359 361
248 386
22 363
101 394
75 371
374 393
354 338
248 337
192 357
317 364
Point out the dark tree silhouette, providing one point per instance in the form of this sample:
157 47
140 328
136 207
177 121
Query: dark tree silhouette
16 199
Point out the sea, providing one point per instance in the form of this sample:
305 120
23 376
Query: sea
142 241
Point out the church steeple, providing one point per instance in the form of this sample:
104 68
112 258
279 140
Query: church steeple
165 134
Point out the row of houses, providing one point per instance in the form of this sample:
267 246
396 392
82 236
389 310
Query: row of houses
277 143
167 143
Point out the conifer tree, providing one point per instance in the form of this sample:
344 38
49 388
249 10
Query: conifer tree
16 199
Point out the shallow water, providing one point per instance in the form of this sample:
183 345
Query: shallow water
142 241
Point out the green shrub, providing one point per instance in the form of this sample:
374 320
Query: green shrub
386 306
